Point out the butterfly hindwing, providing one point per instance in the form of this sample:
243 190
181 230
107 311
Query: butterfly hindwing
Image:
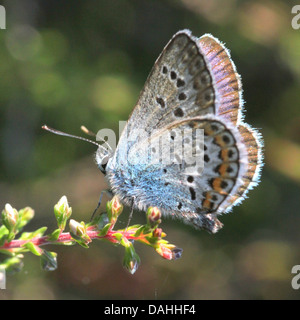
251 142
196 189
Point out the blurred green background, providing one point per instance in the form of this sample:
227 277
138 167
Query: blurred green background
68 63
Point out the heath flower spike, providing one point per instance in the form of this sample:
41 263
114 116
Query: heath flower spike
101 227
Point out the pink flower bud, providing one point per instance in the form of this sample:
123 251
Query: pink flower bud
165 252
154 216
157 233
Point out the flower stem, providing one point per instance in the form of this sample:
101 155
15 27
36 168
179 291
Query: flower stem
66 237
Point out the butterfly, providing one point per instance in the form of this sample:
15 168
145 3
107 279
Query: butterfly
193 85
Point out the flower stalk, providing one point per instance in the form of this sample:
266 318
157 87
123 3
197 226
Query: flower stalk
101 228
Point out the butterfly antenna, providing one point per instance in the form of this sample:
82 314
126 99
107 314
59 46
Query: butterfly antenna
60 133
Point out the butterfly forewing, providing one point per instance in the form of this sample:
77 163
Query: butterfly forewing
226 81
181 87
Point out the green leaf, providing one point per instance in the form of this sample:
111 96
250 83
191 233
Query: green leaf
66 243
33 248
3 235
3 231
134 226
99 221
7 252
82 243
12 265
118 236
40 232
104 230
25 215
54 235
29 235
153 241
139 231
10 237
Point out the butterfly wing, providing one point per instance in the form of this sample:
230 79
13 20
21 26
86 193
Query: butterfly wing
191 77
253 144
226 81
193 84
197 190
179 86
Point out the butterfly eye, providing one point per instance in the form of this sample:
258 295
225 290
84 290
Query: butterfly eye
102 163
102 168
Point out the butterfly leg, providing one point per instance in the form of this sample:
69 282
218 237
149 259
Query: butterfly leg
129 219
108 192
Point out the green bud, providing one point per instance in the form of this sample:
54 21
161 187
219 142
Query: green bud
131 260
62 212
27 214
114 208
10 217
78 232
76 228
